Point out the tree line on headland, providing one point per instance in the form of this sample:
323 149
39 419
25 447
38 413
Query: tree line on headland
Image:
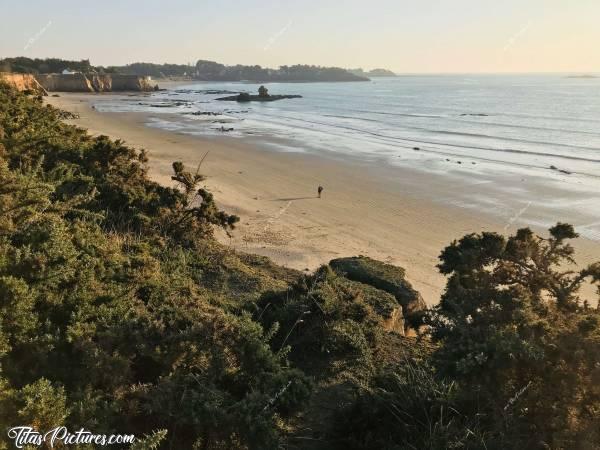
203 70
120 313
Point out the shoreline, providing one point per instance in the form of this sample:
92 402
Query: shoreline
387 213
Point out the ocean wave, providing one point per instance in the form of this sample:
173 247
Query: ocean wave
474 122
444 144
457 113
505 138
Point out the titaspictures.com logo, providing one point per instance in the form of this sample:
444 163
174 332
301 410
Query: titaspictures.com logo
26 436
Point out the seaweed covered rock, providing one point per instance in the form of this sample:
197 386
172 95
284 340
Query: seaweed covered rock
383 276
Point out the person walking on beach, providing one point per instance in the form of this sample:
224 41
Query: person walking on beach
319 190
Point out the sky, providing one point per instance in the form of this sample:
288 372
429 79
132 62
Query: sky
417 36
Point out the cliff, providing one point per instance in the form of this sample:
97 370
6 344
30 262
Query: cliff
76 82
80 82
23 82
131 83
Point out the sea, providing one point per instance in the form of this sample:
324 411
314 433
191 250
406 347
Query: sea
543 127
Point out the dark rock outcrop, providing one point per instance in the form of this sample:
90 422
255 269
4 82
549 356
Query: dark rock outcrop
203 113
245 97
263 92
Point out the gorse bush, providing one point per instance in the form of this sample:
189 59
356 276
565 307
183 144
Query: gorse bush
516 337
407 408
121 314
516 362
329 324
109 311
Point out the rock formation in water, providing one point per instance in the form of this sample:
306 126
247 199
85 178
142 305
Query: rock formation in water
263 92
213 71
245 97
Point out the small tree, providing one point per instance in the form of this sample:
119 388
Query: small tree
199 204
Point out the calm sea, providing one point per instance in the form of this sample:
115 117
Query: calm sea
544 126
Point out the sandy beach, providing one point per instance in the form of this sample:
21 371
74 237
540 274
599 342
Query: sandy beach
382 212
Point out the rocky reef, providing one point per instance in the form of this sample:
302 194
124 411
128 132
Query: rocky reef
263 96
245 97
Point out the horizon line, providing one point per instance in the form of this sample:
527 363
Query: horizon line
398 73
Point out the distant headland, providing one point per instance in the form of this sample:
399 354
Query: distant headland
203 71
375 73
213 71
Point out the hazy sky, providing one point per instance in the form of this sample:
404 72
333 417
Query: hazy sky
402 35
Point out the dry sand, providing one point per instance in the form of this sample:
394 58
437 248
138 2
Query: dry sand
382 212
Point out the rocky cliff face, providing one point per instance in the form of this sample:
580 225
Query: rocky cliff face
76 82
94 83
386 277
131 83
23 82
101 83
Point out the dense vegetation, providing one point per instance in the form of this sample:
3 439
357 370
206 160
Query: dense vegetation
120 313
22 64
517 360
154 70
117 310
